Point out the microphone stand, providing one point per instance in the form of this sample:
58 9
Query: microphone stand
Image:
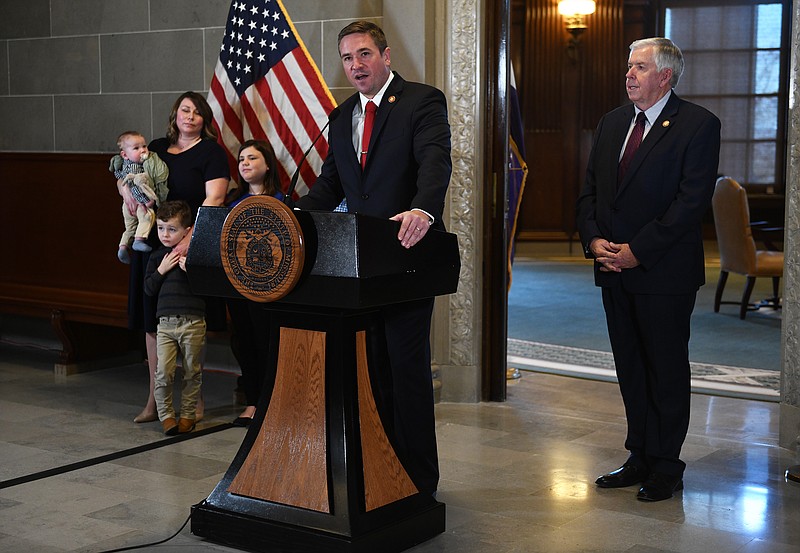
293 183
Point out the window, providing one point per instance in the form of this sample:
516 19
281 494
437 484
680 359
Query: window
735 68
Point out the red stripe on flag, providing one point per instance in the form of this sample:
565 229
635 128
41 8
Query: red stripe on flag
317 86
231 119
283 130
325 103
303 115
260 133
266 86
300 108
287 133
253 123
290 81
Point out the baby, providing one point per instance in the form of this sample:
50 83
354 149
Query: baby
145 175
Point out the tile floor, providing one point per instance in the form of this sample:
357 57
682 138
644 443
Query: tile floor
516 476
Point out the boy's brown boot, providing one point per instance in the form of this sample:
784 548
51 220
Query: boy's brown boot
170 426
185 425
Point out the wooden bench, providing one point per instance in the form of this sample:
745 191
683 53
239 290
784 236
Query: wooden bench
60 227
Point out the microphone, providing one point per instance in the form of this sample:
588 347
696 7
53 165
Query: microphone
293 183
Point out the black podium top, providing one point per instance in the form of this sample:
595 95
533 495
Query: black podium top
352 261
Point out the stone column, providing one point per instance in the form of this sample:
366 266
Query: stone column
437 43
790 339
457 329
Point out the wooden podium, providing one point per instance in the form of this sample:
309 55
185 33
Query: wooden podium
317 471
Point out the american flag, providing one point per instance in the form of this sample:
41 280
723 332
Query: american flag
267 87
517 169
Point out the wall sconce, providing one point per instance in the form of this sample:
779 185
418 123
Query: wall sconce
573 12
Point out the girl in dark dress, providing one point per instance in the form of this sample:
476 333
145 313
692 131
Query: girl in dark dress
258 175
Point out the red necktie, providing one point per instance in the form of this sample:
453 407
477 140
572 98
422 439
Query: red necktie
369 120
633 144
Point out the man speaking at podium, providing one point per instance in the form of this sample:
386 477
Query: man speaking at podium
389 157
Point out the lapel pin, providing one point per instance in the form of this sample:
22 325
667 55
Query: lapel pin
665 124
392 99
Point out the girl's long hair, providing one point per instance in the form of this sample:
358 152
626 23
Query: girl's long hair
272 183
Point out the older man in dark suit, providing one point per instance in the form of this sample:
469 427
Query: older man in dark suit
649 181
389 156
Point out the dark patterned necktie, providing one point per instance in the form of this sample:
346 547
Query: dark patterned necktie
633 144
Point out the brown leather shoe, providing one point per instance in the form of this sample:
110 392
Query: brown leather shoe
170 426
185 425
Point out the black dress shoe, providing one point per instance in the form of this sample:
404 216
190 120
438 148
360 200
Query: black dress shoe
624 476
659 486
242 421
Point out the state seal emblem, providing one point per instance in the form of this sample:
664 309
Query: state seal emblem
262 248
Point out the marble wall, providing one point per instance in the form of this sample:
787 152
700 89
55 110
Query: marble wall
75 73
790 340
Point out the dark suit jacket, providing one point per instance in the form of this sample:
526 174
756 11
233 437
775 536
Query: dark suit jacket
408 166
658 208
408 161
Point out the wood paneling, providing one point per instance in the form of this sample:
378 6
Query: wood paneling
494 276
288 464
385 479
61 222
563 94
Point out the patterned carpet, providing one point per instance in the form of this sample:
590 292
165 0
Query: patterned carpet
585 363
556 324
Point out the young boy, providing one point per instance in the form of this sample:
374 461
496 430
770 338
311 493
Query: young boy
145 175
181 320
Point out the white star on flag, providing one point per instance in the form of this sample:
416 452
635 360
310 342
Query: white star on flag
272 91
